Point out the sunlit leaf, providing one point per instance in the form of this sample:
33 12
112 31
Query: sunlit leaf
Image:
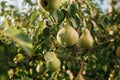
59 16
22 39
33 17
72 9
75 21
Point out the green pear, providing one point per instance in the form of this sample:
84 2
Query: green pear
40 68
53 63
118 51
67 36
50 5
79 77
86 40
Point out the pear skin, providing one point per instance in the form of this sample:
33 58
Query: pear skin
67 36
49 5
53 63
86 40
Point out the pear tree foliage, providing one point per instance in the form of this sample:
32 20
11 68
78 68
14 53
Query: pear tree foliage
60 40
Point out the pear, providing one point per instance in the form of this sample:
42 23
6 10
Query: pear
86 40
40 67
67 36
79 77
49 56
118 51
49 5
53 63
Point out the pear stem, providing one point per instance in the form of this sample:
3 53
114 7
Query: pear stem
82 67
84 23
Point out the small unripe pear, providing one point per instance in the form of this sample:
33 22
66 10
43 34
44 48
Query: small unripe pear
40 67
67 36
118 51
86 40
79 77
53 63
49 5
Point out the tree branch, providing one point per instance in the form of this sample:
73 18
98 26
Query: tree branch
96 47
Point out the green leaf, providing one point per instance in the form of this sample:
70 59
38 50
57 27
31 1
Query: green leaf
59 16
33 17
3 72
7 22
22 39
75 21
3 4
72 9
46 32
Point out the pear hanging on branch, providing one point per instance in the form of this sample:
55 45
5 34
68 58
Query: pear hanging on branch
49 5
67 36
53 63
86 39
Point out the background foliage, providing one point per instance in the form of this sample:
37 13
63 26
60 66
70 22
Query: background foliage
33 32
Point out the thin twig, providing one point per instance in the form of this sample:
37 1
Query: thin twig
82 67
101 44
96 47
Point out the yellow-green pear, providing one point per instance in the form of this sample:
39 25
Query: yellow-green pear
50 5
79 77
53 63
118 51
40 67
67 36
86 40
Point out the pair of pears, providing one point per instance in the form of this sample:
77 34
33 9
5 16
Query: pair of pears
68 36
52 62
